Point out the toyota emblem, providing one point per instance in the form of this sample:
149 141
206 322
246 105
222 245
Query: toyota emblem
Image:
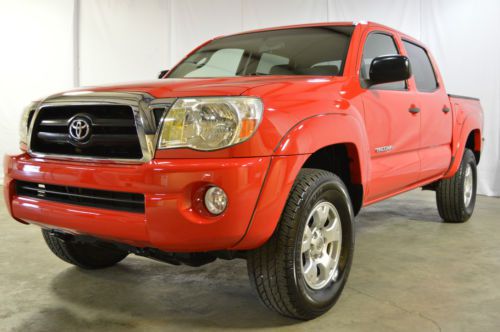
79 129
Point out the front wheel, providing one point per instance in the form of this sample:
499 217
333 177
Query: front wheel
301 271
456 196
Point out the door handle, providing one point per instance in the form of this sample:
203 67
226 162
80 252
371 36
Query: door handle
414 110
446 109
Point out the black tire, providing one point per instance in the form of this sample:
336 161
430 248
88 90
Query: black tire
450 192
275 269
84 255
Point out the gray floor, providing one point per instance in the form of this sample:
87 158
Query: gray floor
411 272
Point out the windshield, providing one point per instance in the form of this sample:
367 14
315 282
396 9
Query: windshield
298 51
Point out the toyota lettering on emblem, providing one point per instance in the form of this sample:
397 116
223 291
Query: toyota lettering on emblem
79 129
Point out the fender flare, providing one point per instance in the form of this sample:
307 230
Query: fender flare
335 128
289 156
470 123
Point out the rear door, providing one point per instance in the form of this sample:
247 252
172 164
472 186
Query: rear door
436 115
392 121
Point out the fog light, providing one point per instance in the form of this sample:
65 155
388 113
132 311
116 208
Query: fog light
215 200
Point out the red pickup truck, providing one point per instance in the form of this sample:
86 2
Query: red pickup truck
261 145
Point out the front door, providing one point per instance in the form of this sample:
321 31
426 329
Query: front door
392 120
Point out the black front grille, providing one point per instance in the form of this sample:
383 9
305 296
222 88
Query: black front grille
112 134
112 200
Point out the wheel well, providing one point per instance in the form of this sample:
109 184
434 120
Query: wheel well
474 143
343 161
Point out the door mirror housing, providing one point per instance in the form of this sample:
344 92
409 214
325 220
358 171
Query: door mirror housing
163 73
389 68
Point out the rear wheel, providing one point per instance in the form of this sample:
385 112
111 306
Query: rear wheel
456 196
84 255
301 271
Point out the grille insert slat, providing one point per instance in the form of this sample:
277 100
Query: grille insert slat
97 122
112 200
105 140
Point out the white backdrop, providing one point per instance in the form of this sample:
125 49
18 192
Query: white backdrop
51 45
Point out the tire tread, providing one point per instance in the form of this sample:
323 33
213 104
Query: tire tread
267 265
449 193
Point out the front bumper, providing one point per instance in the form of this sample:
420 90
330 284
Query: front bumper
171 221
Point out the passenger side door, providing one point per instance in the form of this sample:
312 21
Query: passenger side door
392 123
436 117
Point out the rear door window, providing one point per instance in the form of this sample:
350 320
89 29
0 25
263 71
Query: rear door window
421 67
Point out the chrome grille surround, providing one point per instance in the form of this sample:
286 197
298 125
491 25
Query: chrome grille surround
141 103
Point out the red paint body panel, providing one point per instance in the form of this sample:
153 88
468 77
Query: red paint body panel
302 114
171 221
114 225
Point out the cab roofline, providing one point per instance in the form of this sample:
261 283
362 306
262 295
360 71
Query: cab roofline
284 27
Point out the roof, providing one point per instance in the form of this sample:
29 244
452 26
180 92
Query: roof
323 24
284 27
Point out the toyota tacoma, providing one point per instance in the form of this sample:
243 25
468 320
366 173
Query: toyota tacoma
261 145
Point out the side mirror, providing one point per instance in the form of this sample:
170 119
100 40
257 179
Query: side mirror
389 68
163 73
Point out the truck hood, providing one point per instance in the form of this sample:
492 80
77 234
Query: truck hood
185 87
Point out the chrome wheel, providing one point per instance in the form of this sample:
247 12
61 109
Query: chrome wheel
468 185
321 244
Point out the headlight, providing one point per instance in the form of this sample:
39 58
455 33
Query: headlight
210 123
26 118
